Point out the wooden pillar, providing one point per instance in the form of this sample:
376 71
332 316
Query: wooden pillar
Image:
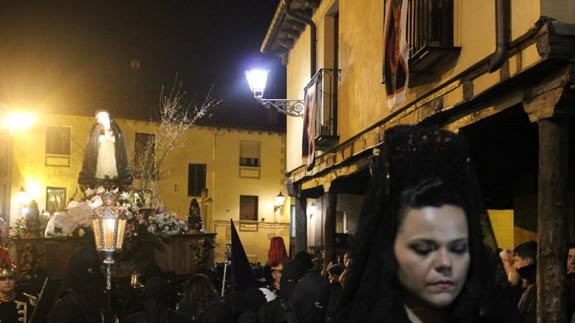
330 204
552 220
300 224
550 104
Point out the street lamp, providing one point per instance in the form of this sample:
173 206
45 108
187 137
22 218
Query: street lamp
312 209
24 200
257 79
279 203
280 199
19 121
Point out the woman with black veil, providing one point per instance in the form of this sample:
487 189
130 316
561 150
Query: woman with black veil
425 250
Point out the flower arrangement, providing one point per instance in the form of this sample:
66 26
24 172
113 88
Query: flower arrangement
142 220
153 224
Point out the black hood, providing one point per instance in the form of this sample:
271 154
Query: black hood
83 273
85 281
293 271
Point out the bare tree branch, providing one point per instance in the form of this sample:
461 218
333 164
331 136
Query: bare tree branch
177 114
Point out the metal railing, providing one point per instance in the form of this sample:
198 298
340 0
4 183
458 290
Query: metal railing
326 80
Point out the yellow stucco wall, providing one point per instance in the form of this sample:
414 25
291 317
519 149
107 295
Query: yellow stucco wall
218 148
562 10
361 93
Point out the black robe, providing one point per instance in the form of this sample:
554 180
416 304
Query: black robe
87 174
80 299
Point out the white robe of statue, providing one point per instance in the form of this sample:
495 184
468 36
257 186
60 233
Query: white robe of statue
106 163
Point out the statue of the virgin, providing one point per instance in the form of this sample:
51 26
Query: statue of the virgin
105 158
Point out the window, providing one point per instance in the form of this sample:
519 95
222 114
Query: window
58 140
58 146
248 208
326 83
429 36
55 199
321 98
145 153
250 153
196 179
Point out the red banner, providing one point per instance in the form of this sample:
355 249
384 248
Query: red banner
395 66
309 125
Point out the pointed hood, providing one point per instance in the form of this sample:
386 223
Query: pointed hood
242 274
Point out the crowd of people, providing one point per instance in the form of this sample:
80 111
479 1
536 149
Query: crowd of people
424 252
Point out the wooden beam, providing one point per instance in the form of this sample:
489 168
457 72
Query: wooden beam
300 224
330 204
288 33
552 96
285 42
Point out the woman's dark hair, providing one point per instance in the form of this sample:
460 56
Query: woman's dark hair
421 167
527 249
431 192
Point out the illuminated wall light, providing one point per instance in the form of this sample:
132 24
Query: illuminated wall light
311 209
33 188
23 198
19 121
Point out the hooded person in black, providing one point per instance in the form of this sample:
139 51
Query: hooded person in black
156 302
418 169
237 306
80 299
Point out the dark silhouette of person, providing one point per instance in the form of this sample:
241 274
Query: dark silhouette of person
80 299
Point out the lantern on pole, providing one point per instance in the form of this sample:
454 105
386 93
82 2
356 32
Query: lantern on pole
109 238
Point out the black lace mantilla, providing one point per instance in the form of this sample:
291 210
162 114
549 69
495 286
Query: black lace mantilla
408 156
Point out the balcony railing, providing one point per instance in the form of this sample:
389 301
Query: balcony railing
429 34
326 80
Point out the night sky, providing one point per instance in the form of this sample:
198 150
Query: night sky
75 57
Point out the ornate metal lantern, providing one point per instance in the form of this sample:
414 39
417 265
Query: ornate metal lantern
109 237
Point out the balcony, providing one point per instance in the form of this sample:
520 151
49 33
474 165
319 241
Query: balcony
326 81
429 37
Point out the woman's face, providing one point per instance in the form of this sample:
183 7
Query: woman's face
432 251
104 119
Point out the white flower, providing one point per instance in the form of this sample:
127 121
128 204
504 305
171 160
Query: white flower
96 202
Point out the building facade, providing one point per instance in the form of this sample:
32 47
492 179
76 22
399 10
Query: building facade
498 72
234 173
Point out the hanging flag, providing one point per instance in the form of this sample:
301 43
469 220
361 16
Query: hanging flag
395 65
309 125
241 270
